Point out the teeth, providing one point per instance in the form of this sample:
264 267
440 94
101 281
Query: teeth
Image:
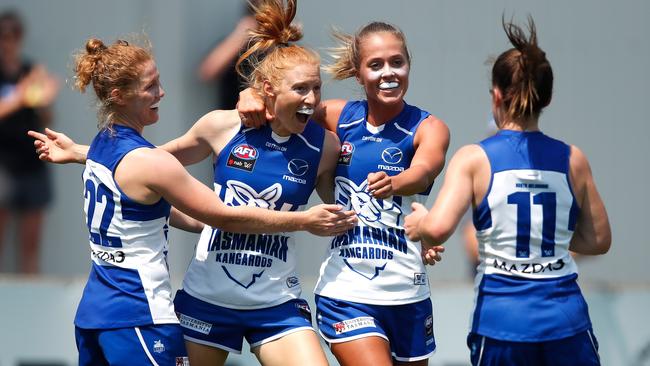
155 105
388 85
306 110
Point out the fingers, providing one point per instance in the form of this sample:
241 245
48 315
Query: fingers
432 255
37 135
417 206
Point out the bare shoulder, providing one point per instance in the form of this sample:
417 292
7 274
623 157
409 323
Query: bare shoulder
217 121
331 140
578 161
149 160
433 125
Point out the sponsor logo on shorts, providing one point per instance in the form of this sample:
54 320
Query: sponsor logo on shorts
182 361
428 326
353 324
304 310
158 346
419 279
195 324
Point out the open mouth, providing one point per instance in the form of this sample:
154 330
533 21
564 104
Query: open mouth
304 113
155 106
388 85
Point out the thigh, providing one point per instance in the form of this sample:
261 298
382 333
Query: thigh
366 351
580 349
294 349
201 355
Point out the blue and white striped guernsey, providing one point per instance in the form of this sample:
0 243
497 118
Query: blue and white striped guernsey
129 279
526 289
375 258
261 169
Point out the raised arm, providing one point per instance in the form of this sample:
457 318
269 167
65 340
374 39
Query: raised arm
254 114
208 135
593 234
431 143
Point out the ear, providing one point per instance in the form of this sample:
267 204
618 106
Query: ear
116 96
268 89
497 96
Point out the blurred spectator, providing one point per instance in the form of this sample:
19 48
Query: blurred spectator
219 64
26 92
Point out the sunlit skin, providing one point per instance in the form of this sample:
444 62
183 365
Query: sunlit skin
298 90
384 74
140 107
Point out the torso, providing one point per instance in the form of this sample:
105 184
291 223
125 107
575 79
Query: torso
129 279
256 168
526 276
374 258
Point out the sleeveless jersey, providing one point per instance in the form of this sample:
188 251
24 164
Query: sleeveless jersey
526 284
375 258
261 169
129 278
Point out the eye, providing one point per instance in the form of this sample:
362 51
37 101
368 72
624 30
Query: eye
375 65
398 62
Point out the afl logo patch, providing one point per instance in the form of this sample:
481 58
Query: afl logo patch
243 156
347 149
298 167
392 155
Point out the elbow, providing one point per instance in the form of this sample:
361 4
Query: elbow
434 234
604 243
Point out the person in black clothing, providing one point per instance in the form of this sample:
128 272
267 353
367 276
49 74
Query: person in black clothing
26 92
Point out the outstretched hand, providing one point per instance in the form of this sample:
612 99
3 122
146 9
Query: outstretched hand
251 108
329 220
54 147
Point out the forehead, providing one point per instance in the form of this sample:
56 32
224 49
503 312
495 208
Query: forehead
148 71
309 72
381 44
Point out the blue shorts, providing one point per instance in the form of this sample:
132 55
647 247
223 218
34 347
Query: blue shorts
408 328
580 349
226 328
145 345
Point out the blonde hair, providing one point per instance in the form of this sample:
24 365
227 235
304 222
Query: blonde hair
270 50
347 55
118 66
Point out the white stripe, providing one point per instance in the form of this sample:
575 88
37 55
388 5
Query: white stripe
248 129
211 344
308 144
144 346
403 129
280 335
480 355
593 344
351 123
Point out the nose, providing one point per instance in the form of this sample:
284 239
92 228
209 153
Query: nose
161 92
311 98
387 70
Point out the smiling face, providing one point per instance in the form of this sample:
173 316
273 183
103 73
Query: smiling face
383 68
293 100
140 107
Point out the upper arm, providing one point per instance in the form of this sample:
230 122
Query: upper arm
454 197
431 143
209 134
328 112
592 223
327 167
